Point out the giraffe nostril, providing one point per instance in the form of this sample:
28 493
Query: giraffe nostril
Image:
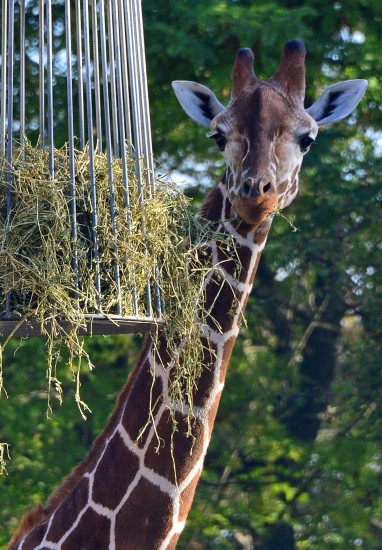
267 187
246 189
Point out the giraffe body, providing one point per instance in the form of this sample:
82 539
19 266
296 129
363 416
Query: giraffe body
134 490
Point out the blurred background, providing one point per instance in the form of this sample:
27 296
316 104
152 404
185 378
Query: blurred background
295 460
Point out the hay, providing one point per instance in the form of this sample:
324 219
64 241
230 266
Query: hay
38 247
157 238
4 456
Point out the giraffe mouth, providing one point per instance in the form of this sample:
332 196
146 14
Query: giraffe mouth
255 210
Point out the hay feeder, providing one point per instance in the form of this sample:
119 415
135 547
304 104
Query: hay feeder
76 169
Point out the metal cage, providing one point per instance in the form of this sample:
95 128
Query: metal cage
95 50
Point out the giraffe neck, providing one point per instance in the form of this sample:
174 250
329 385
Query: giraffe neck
135 489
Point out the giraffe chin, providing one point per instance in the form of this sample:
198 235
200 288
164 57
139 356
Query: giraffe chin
253 211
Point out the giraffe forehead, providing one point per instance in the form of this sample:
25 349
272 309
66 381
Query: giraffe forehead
263 110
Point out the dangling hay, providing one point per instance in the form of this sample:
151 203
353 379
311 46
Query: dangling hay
4 456
161 240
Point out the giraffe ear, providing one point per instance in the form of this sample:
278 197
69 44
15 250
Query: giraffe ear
338 101
198 101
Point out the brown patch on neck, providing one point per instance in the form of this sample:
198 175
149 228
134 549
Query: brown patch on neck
212 206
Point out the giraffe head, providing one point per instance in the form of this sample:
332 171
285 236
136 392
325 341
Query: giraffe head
265 131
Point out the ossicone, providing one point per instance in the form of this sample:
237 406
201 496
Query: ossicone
290 74
242 72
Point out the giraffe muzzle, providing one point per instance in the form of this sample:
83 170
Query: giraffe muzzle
259 187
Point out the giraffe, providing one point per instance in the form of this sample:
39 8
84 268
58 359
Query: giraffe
127 493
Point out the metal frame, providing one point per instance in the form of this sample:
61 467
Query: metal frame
106 77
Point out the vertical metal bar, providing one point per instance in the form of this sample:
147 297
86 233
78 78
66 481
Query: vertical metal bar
81 108
3 103
144 114
138 72
3 91
109 151
144 95
120 91
93 191
120 103
125 76
137 37
49 45
69 83
11 20
113 88
41 42
97 84
105 81
135 76
22 75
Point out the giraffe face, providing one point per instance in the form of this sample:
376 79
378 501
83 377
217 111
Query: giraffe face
263 137
264 131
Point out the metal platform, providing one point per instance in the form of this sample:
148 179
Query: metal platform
95 324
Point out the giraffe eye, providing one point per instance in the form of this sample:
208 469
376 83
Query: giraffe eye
220 140
305 143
